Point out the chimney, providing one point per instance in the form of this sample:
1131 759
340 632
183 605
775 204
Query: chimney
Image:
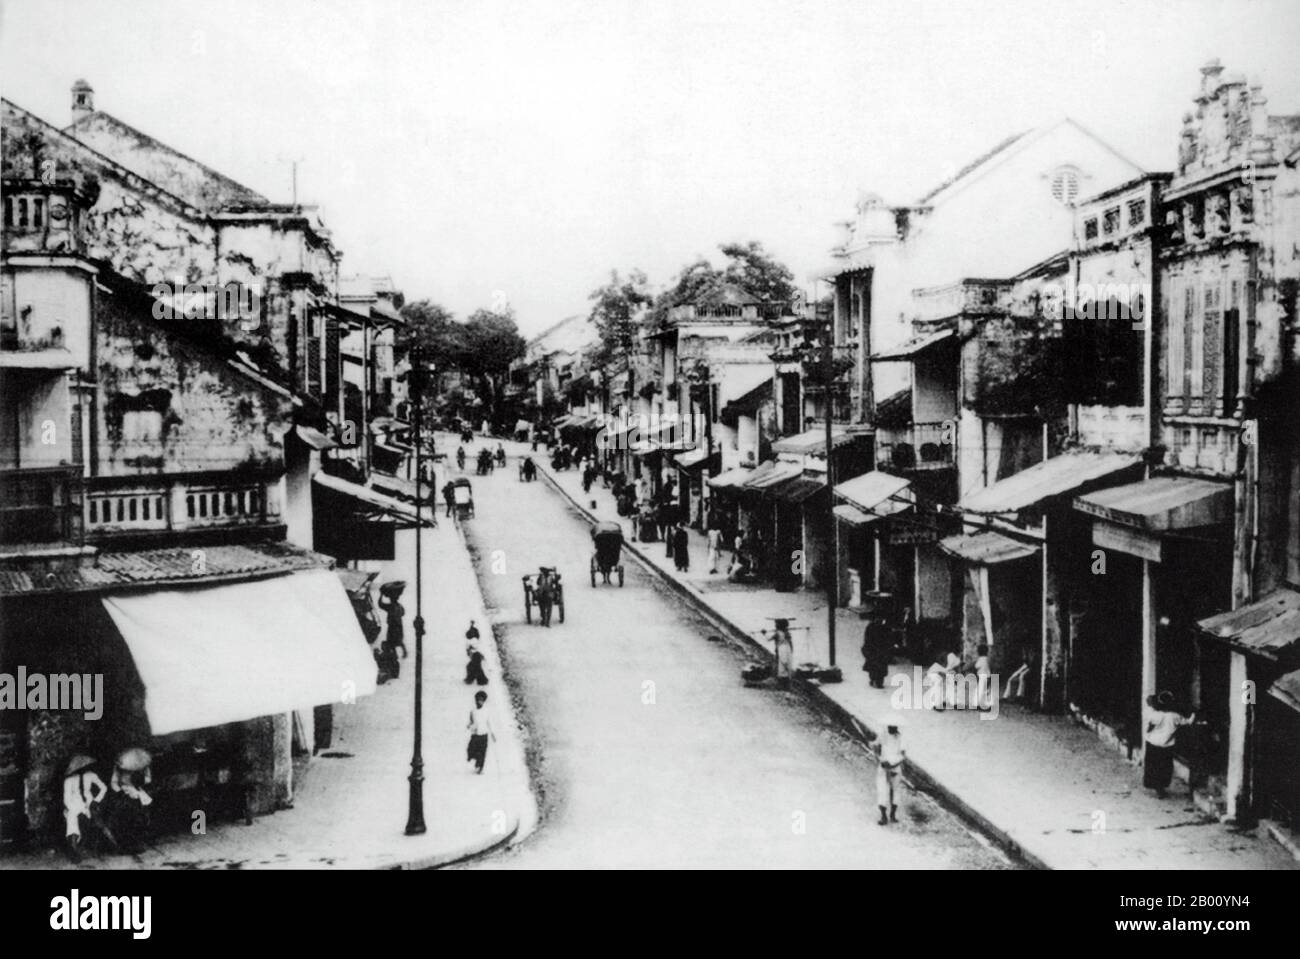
83 100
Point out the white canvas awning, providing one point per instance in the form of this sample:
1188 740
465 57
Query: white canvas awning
224 654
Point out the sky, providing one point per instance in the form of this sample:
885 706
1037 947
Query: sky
480 152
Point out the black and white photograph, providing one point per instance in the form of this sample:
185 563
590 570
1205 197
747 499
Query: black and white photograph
719 435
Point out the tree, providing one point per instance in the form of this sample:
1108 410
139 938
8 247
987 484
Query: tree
492 342
615 312
434 330
749 267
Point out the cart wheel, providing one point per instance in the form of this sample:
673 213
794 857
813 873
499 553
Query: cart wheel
620 576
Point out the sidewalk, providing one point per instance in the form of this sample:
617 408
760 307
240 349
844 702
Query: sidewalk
1043 786
350 802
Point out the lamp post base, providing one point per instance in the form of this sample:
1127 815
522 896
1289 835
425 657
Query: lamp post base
415 817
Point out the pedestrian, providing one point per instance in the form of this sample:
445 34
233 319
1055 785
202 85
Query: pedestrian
715 547
126 806
890 756
474 672
396 636
449 496
666 527
82 790
783 647
1161 723
941 679
460 458
682 548
877 650
480 731
983 678
544 594
471 634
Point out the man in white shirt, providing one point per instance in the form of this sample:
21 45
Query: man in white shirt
889 766
82 789
480 731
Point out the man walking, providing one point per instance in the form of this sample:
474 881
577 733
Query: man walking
681 543
480 731
889 764
715 547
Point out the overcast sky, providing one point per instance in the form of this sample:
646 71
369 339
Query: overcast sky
471 147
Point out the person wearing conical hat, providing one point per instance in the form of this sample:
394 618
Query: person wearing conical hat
82 790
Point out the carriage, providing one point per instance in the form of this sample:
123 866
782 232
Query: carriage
463 496
533 581
608 557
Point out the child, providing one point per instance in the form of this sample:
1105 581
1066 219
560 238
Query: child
480 731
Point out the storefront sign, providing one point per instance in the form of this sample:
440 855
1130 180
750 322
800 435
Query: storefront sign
912 536
1126 540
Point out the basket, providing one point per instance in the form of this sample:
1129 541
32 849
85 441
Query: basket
393 588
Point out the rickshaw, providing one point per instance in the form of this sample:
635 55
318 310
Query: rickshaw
608 557
463 496
533 582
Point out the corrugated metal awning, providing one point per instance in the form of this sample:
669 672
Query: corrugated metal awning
1163 503
812 442
915 345
736 476
1287 690
853 516
987 548
779 473
871 491
796 490
1267 627
1052 477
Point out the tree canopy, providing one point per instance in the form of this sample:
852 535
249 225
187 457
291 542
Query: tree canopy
748 267
615 312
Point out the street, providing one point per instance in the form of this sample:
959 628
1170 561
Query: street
646 748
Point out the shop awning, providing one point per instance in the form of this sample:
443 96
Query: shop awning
796 490
779 473
314 438
1287 690
1268 627
987 548
736 476
875 492
1163 503
225 654
368 497
853 516
747 404
691 458
915 345
1052 477
812 442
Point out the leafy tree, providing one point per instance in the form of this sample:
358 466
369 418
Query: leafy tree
748 267
492 342
434 330
615 312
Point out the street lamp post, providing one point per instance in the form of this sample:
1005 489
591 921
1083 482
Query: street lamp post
832 581
415 806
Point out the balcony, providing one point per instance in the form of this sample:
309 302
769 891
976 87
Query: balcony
40 505
920 446
164 506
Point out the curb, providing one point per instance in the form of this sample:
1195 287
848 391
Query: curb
855 727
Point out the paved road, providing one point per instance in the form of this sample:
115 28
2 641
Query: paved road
647 749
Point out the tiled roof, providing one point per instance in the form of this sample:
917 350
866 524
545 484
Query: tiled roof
166 567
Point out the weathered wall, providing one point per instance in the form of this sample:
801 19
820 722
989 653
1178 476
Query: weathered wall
165 405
